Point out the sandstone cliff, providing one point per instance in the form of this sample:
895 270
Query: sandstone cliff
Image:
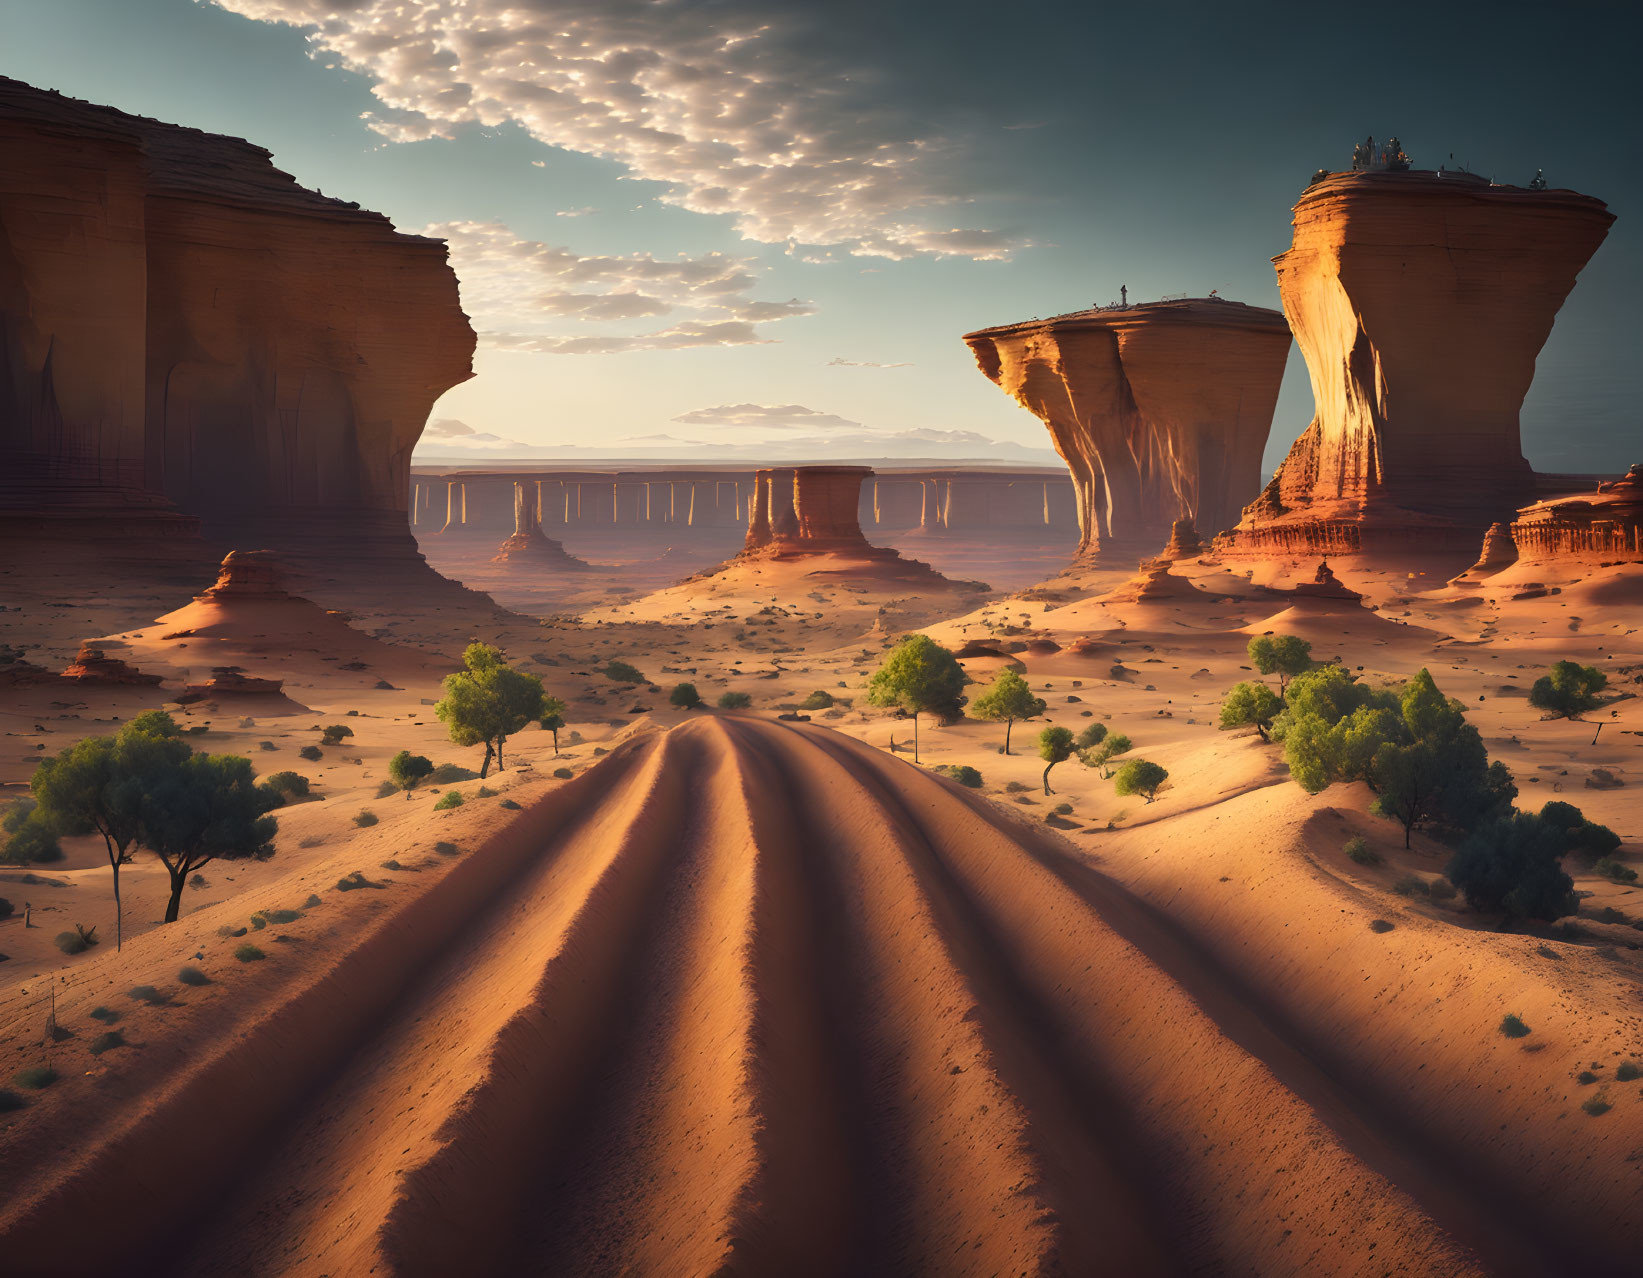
1420 302
1161 410
184 327
1601 527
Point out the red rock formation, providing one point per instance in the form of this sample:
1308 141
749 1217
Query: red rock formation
1499 553
1601 527
528 542
1420 302
1184 542
230 680
92 666
1154 584
1160 410
247 574
1324 585
211 334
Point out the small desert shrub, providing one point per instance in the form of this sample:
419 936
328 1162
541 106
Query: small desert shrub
387 789
685 696
334 734
279 916
311 841
230 931
391 864
450 799
193 976
564 774
248 953
407 769
446 849
1441 890
7 909
1512 1026
1016 787
311 902
107 1015
10 1101
735 701
148 994
1380 925
258 922
72 943
1610 868
1411 885
963 773
107 1040
286 786
820 699
1585 1078
1628 1070
266 745
197 881
509 804
485 792
1608 914
36 1078
450 774
310 752
621 672
353 882
1063 809
1595 1105
365 817
1359 852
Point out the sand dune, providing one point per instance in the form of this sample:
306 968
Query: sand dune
743 999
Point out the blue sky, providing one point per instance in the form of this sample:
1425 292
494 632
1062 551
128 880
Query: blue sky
943 167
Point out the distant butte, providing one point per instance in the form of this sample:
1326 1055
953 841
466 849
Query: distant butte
1420 301
191 338
1604 526
1160 409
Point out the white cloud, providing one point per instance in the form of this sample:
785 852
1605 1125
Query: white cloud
727 104
839 361
765 416
522 292
583 212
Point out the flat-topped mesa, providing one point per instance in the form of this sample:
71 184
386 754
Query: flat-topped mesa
1420 301
211 338
528 542
1161 410
1601 527
802 510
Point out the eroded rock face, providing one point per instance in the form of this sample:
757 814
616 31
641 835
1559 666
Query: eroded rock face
248 574
1601 527
211 338
1420 303
1184 542
1161 410
1499 553
93 666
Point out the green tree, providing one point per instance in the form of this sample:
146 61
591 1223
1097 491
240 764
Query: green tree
1568 690
1006 700
334 734
553 719
1138 776
1283 655
1251 704
921 677
488 702
406 769
1512 866
685 696
102 784
1104 751
26 836
208 807
1583 837
1331 726
1054 746
1093 735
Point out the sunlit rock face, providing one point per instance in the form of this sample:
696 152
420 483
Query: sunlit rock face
1161 410
182 322
1601 527
1420 302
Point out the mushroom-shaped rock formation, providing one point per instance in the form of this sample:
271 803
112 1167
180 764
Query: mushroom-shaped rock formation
1499 553
1420 301
1601 527
529 544
184 328
92 666
1161 410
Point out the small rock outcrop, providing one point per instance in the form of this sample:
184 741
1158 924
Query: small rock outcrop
188 337
1184 542
1161 409
247 574
230 681
1601 527
93 666
1499 553
1420 301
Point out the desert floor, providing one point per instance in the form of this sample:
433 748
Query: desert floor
706 991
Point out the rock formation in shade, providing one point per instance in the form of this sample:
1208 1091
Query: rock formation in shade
1601 527
529 544
93 666
1499 553
230 680
1184 542
1420 301
1154 583
183 328
1161 410
1324 585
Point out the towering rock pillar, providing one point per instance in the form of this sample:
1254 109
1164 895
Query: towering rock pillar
758 513
1420 301
1161 410
826 502
529 542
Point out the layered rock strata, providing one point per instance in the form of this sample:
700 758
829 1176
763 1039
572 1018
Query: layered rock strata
184 328
1420 301
1184 542
93 666
1601 527
1161 410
